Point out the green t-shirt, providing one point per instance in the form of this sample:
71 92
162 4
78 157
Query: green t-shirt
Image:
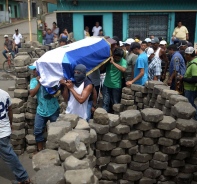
190 72
113 78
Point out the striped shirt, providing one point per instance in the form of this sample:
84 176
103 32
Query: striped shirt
154 68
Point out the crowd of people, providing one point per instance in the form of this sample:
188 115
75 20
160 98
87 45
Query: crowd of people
134 61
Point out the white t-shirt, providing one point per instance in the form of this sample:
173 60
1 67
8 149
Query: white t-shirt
5 102
95 30
17 38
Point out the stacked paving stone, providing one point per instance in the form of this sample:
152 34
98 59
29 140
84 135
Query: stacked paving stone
68 157
146 147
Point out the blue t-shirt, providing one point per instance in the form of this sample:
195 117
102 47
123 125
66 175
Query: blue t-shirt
142 62
49 38
47 105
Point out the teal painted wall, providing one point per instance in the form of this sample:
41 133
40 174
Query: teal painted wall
12 4
127 5
171 23
78 24
125 26
51 7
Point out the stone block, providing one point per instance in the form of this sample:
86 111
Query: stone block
168 123
103 160
135 87
170 171
188 168
186 125
72 163
188 141
101 116
149 149
160 156
31 149
127 97
127 91
126 144
152 173
79 176
45 158
30 139
134 150
183 110
105 146
143 158
177 98
118 107
145 101
155 164
154 133
17 118
70 118
120 129
70 142
146 141
30 116
171 149
63 154
11 88
117 168
182 155
177 163
184 178
15 142
23 74
158 89
82 125
166 93
18 134
165 141
143 89
173 134
117 151
127 102
144 126
145 180
135 135
22 69
111 137
140 105
21 80
93 136
18 126
152 115
153 83
130 117
166 111
132 175
55 173
114 120
122 159
133 107
109 175
21 60
138 100
84 135
100 129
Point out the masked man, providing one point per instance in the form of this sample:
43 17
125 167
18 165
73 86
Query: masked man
77 93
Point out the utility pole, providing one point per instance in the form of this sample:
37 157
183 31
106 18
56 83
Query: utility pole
29 19
40 20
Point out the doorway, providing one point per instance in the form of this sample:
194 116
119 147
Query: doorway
90 20
15 11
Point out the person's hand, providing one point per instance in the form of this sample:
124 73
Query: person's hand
38 78
93 109
169 82
62 82
69 84
180 77
112 60
129 83
163 77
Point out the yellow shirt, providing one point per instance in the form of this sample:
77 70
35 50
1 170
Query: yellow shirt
180 33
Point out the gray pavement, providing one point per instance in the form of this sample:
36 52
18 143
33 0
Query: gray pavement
7 80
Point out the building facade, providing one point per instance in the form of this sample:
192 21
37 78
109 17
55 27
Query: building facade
128 18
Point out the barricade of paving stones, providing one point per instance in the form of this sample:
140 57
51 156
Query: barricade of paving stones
24 106
68 157
149 145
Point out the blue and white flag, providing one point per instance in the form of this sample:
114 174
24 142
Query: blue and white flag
60 62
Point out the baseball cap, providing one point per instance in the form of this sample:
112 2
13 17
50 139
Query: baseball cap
182 43
32 66
147 40
5 36
155 40
189 50
149 52
163 42
121 43
129 41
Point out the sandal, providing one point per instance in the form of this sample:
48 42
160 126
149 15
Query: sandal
23 182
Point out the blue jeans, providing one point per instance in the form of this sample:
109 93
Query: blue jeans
40 124
89 110
111 96
5 51
191 96
11 159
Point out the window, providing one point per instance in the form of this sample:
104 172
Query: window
147 25
1 7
